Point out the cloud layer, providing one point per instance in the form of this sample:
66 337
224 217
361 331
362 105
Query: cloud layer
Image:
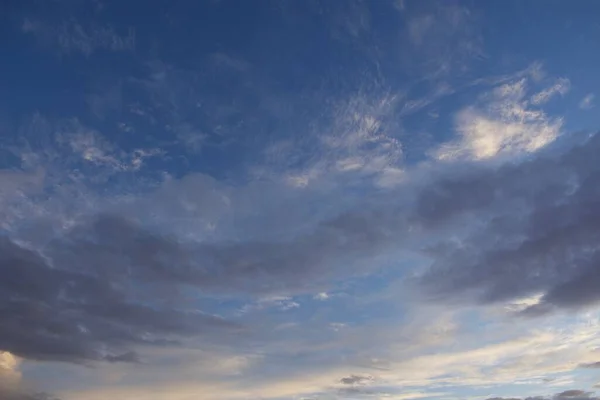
298 200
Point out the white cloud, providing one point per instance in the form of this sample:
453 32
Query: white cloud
587 102
93 148
504 125
8 362
561 87
412 106
10 375
391 177
356 142
321 296
522 304
337 326
528 357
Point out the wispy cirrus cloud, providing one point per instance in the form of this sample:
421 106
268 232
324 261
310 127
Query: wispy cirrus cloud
72 37
561 87
436 29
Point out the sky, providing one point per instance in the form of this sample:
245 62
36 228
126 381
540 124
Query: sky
299 200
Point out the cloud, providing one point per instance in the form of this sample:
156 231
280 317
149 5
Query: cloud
93 148
192 138
590 365
443 40
566 395
227 61
105 101
11 384
505 125
84 295
20 183
280 303
347 23
533 230
587 102
173 283
356 380
65 154
19 395
573 393
321 296
72 37
526 355
357 141
561 87
94 279
10 376
17 186
91 296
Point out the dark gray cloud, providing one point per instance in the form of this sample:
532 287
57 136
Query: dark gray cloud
6 394
504 398
355 379
519 229
590 365
109 285
569 394
566 395
96 294
119 248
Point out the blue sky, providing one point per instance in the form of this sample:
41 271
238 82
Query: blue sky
317 199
